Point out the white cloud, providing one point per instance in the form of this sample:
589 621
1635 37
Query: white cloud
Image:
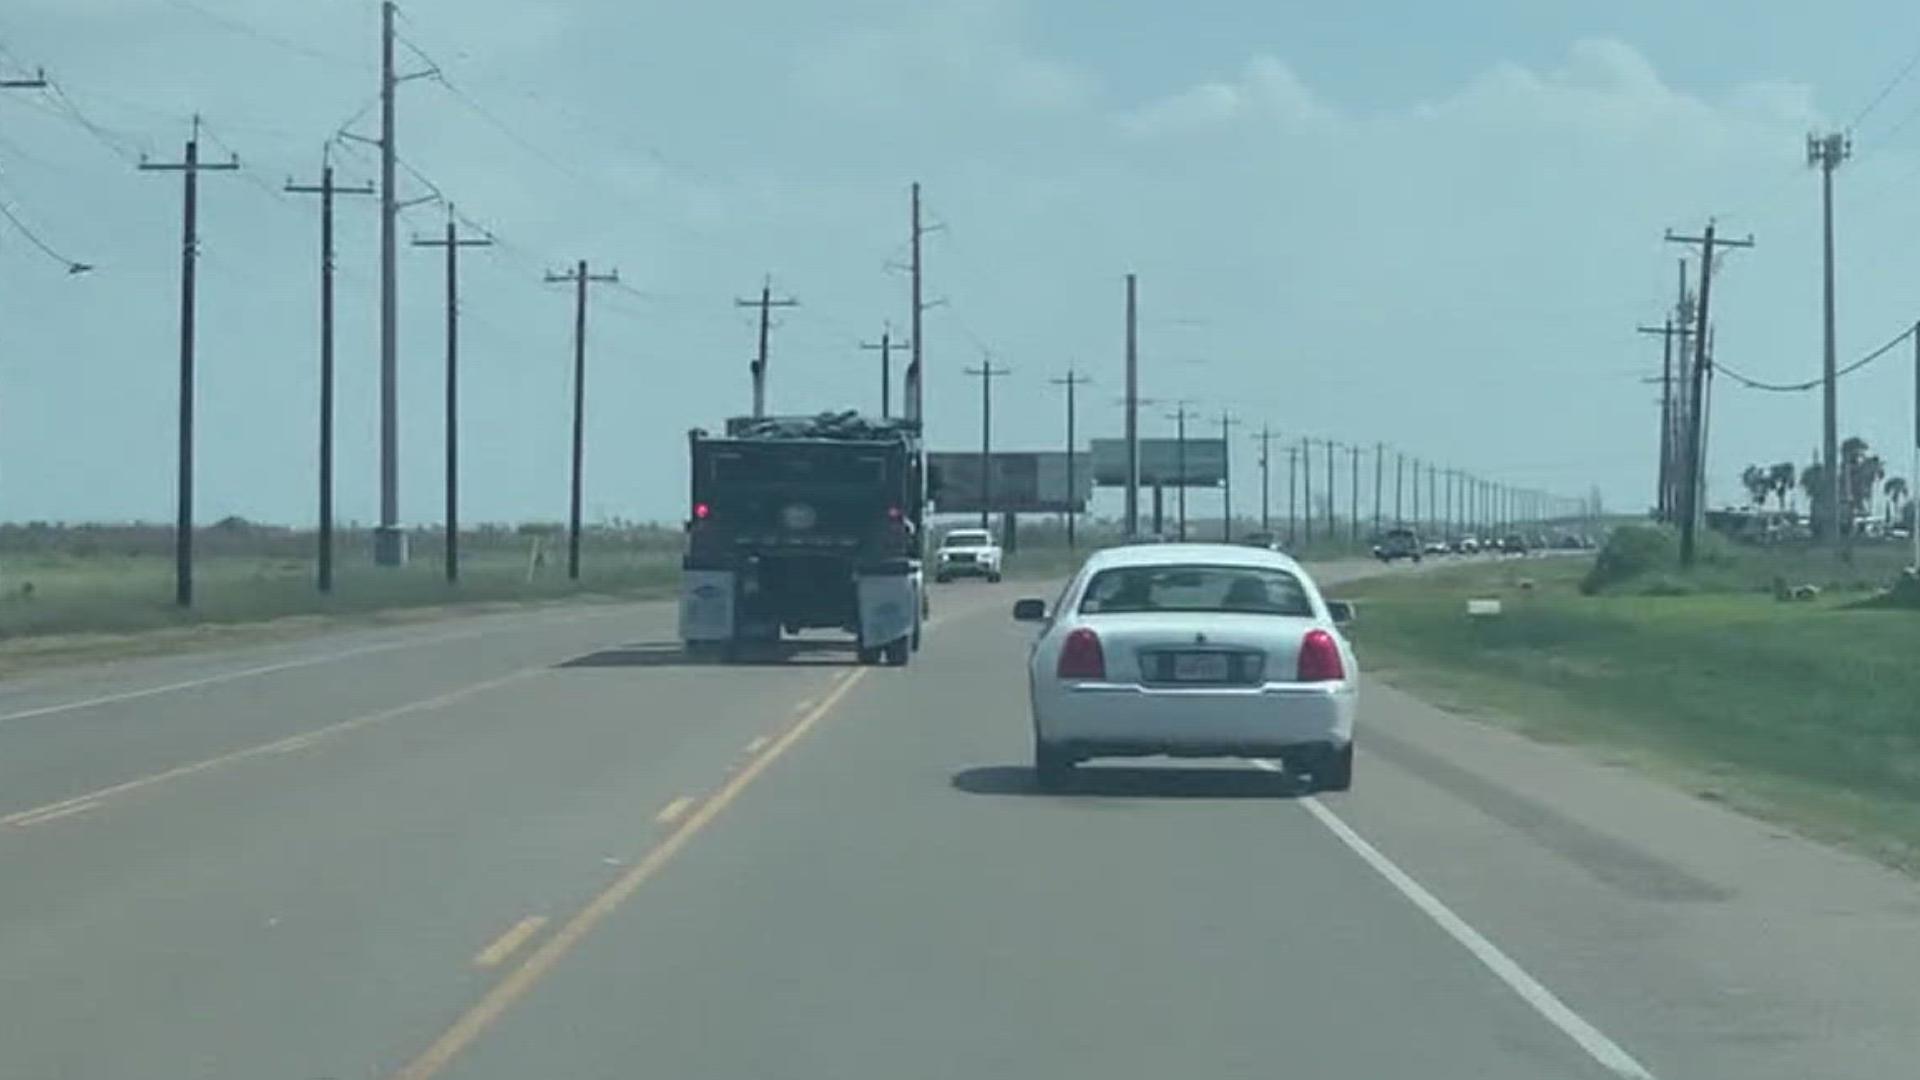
1267 91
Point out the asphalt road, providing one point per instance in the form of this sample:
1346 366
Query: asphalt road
542 846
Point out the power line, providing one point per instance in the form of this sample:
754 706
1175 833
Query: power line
73 266
265 37
1892 84
1756 384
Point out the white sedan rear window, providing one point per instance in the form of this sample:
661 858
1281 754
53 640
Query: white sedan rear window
1250 589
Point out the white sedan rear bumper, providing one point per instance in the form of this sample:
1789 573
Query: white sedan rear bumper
1096 719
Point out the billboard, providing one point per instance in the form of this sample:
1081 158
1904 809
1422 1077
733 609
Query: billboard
1160 459
1022 482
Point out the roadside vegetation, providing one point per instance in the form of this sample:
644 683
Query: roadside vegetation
85 592
1802 707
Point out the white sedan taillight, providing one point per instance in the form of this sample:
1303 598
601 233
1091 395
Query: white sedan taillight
1081 656
1319 658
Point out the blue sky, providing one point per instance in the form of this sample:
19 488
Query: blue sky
1429 225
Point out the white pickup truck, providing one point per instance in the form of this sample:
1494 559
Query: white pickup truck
967 553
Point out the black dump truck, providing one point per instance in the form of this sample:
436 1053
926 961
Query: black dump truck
805 523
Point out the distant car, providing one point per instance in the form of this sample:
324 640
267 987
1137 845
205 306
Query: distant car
1438 547
1467 545
1513 544
1268 541
1398 544
967 553
1192 650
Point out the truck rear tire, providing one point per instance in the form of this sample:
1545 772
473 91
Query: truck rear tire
867 656
897 652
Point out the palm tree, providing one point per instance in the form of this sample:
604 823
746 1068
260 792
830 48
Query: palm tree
1860 474
1781 477
1758 482
1895 489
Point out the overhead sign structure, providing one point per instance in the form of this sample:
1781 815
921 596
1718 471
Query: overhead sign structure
1160 461
1032 483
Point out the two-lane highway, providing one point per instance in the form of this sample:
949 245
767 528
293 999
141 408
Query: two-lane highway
541 845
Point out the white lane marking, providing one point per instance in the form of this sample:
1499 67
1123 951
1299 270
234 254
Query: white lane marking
754 746
1597 1045
36 814
247 673
55 813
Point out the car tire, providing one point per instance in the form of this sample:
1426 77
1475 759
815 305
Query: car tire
897 652
1334 770
942 579
1052 766
993 578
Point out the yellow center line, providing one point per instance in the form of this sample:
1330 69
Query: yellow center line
516 983
672 811
504 945
278 746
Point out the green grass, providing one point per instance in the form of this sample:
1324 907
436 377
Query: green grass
1802 712
67 602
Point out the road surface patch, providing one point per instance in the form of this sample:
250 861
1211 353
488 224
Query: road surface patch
517 982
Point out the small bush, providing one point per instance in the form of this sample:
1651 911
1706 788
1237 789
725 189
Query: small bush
1631 551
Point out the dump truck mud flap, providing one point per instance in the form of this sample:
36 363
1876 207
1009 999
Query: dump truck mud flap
706 605
889 607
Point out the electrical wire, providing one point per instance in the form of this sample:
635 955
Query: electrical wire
1757 384
73 266
1892 84
247 30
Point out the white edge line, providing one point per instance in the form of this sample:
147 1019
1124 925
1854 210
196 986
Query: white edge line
56 813
1602 1049
247 673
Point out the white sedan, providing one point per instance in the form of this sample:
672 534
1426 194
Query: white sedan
1192 650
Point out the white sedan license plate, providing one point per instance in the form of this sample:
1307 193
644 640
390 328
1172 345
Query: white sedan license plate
1200 667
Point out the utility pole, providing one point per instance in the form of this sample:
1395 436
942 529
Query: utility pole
1913 514
1333 495
1399 484
1179 417
1826 152
1433 496
1696 448
326 189
915 405
1353 497
1417 525
885 345
1306 484
1379 476
453 242
580 278
766 304
1133 412
1265 439
1293 487
190 168
1667 332
1070 380
389 541
1227 422
986 372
